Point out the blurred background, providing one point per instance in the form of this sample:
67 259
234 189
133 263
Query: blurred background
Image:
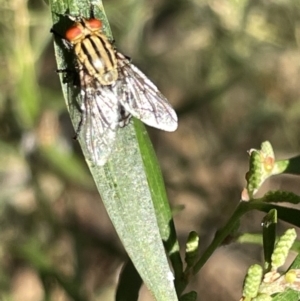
230 68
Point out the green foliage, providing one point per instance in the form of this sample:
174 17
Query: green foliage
231 71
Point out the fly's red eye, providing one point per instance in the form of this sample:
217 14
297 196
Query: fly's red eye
73 33
94 24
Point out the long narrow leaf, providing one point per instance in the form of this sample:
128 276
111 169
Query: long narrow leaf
122 182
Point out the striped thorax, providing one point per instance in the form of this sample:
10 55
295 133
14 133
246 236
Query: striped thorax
93 50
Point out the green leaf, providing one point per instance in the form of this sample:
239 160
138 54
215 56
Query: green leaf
290 215
290 166
289 295
130 183
160 200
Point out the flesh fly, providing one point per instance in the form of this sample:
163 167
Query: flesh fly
111 91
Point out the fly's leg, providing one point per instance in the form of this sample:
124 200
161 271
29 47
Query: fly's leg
65 42
70 76
124 116
82 120
57 34
80 124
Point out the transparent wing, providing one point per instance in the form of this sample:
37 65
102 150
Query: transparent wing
141 98
99 120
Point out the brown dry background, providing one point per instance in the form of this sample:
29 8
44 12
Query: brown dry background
231 69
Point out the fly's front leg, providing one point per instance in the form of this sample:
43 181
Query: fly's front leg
65 42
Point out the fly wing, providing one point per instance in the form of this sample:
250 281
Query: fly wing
99 120
141 98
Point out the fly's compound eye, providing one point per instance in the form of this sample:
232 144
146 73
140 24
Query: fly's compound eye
94 24
74 33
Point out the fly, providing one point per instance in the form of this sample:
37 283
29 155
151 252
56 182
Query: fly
112 90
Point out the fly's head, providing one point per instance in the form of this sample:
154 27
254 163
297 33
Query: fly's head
83 28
